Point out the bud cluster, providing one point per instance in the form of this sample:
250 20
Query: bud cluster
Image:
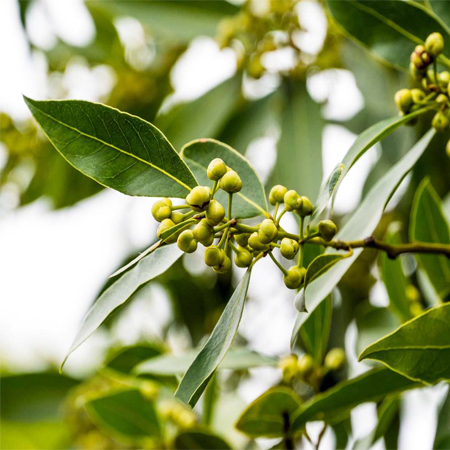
205 222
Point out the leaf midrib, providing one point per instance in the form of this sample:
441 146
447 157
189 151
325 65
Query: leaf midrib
115 148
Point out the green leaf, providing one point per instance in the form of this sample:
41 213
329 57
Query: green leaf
34 397
270 414
389 29
251 200
299 155
201 440
114 148
419 349
125 359
321 265
327 190
204 117
178 21
118 293
126 415
442 438
236 359
394 278
315 330
336 402
441 9
364 220
428 224
211 355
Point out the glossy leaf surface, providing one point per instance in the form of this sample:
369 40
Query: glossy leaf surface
201 440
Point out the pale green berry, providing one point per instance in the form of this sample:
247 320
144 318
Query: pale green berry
267 231
447 149
327 230
161 209
306 208
224 266
403 99
415 72
441 99
440 121
177 217
215 212
166 224
214 256
434 44
444 79
290 200
198 199
231 182
335 359
276 194
216 169
204 233
242 239
305 365
417 95
254 67
294 277
243 258
186 242
421 58
289 248
288 365
256 244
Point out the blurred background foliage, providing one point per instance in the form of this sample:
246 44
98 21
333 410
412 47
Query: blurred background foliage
45 410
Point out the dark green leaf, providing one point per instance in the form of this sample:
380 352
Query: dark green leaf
116 149
394 278
118 293
126 415
364 220
441 9
33 397
251 200
389 29
201 440
419 349
235 359
270 414
429 224
211 355
442 438
299 156
204 117
337 401
127 358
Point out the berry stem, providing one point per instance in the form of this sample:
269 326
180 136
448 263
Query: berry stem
175 207
278 264
281 215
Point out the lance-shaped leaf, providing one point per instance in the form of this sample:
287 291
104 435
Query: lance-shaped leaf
429 224
321 265
125 359
365 219
251 200
211 355
126 415
441 9
334 404
327 190
118 293
270 414
235 359
389 29
419 349
114 148
200 440
442 438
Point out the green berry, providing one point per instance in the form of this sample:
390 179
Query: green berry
288 365
162 209
289 248
294 277
216 169
215 212
441 99
268 231
224 266
434 44
421 58
291 200
415 72
444 79
305 365
186 242
306 208
204 233
198 199
231 182
335 359
417 95
277 194
255 69
327 230
403 99
256 244
440 121
447 149
242 239
177 217
165 225
243 258
214 256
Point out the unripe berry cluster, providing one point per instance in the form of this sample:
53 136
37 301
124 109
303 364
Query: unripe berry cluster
205 221
434 90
